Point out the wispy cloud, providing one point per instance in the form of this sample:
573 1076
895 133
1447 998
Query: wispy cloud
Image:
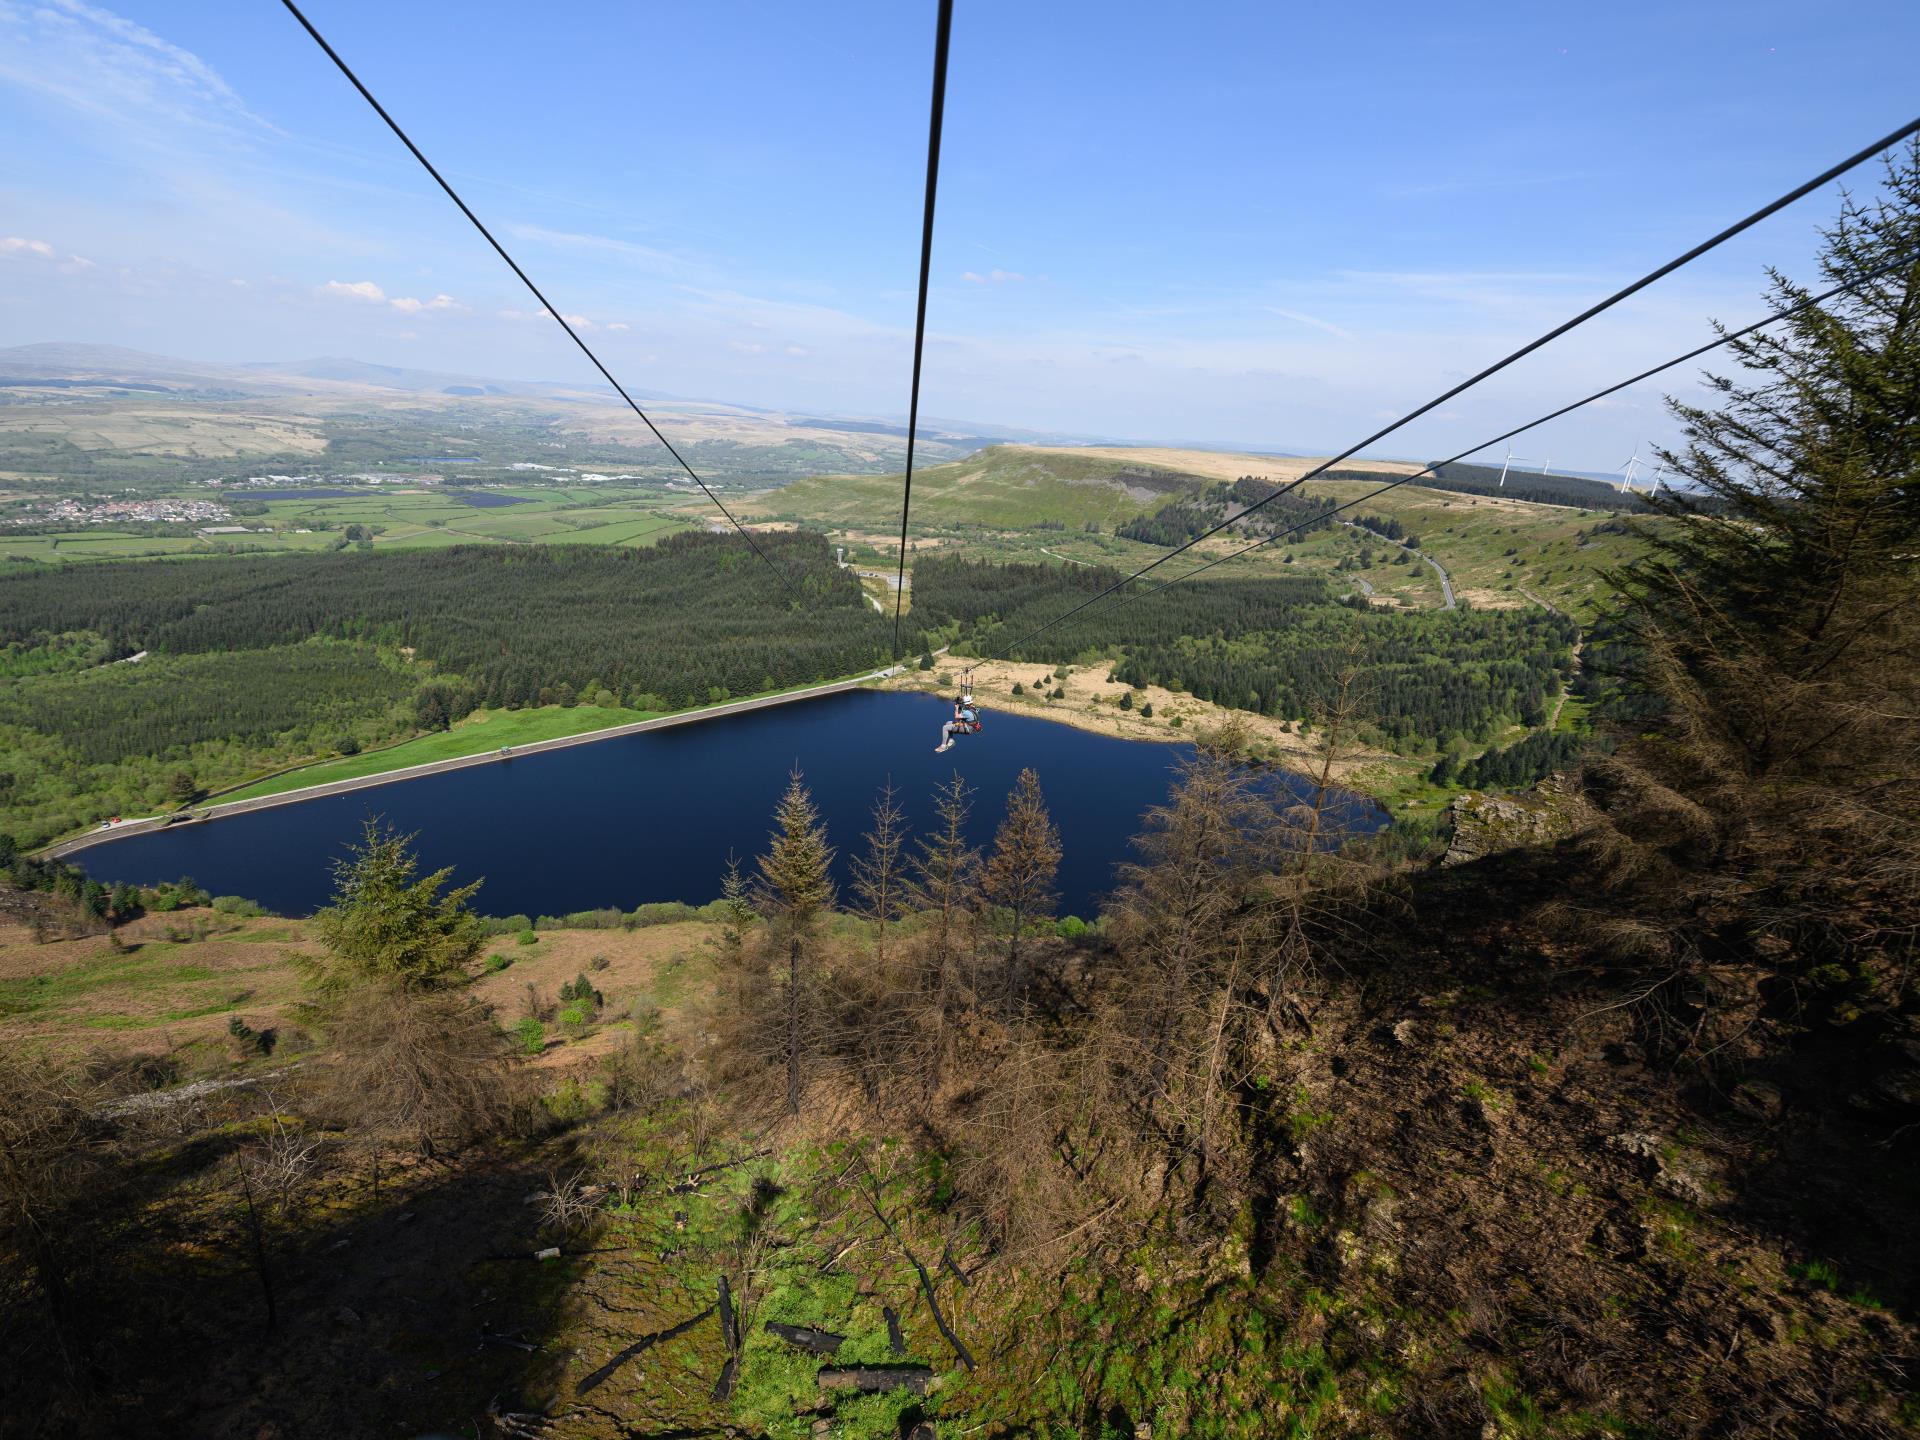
1300 318
992 277
578 322
115 69
575 242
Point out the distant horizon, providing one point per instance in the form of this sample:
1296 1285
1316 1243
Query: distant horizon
1254 223
975 427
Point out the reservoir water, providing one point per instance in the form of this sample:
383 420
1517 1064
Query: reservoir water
653 816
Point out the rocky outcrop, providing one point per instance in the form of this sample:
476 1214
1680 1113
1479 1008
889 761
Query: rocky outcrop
1489 824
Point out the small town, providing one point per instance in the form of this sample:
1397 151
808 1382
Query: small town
149 510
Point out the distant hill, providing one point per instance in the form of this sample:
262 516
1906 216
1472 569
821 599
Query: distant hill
1022 486
1002 486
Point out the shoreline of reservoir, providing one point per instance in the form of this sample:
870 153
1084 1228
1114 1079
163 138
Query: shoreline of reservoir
61 850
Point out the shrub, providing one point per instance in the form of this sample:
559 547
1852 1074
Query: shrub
1071 928
497 962
568 1102
530 1035
644 1011
1059 693
348 744
926 661
606 918
1146 711
238 905
1126 700
506 924
1018 688
259 1042
526 937
574 1020
663 912
599 962
579 991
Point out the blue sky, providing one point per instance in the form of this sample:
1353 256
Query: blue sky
1243 223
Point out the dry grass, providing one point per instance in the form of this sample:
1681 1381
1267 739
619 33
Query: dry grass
1213 464
196 433
83 997
1092 703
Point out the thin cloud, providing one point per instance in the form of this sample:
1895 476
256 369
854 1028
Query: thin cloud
992 277
354 290
619 325
1314 320
578 322
111 67
581 243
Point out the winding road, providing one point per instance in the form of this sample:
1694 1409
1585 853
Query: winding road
1446 580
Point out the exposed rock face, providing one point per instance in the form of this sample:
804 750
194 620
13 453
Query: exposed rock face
1489 824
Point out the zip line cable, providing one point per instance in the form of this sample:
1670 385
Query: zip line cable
513 265
1439 465
1797 193
944 27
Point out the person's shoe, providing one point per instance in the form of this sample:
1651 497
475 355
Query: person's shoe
943 747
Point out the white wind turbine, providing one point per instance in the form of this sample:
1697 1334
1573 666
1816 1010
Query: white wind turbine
1508 466
1626 471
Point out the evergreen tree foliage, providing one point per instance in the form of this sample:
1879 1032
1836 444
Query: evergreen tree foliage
1777 620
796 885
388 923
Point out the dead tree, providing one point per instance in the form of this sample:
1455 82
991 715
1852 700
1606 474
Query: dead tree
1020 873
879 876
796 887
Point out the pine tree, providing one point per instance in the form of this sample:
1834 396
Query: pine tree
1021 871
387 925
879 878
1777 620
797 889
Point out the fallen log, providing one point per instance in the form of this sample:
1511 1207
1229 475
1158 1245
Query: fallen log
600 1376
895 1340
730 1332
805 1337
872 1379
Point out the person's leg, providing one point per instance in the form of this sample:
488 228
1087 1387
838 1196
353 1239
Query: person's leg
946 737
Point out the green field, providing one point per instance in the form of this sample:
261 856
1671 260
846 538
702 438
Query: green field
476 735
479 733
1002 486
394 518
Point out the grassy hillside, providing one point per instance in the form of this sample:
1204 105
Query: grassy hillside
1003 486
1035 502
